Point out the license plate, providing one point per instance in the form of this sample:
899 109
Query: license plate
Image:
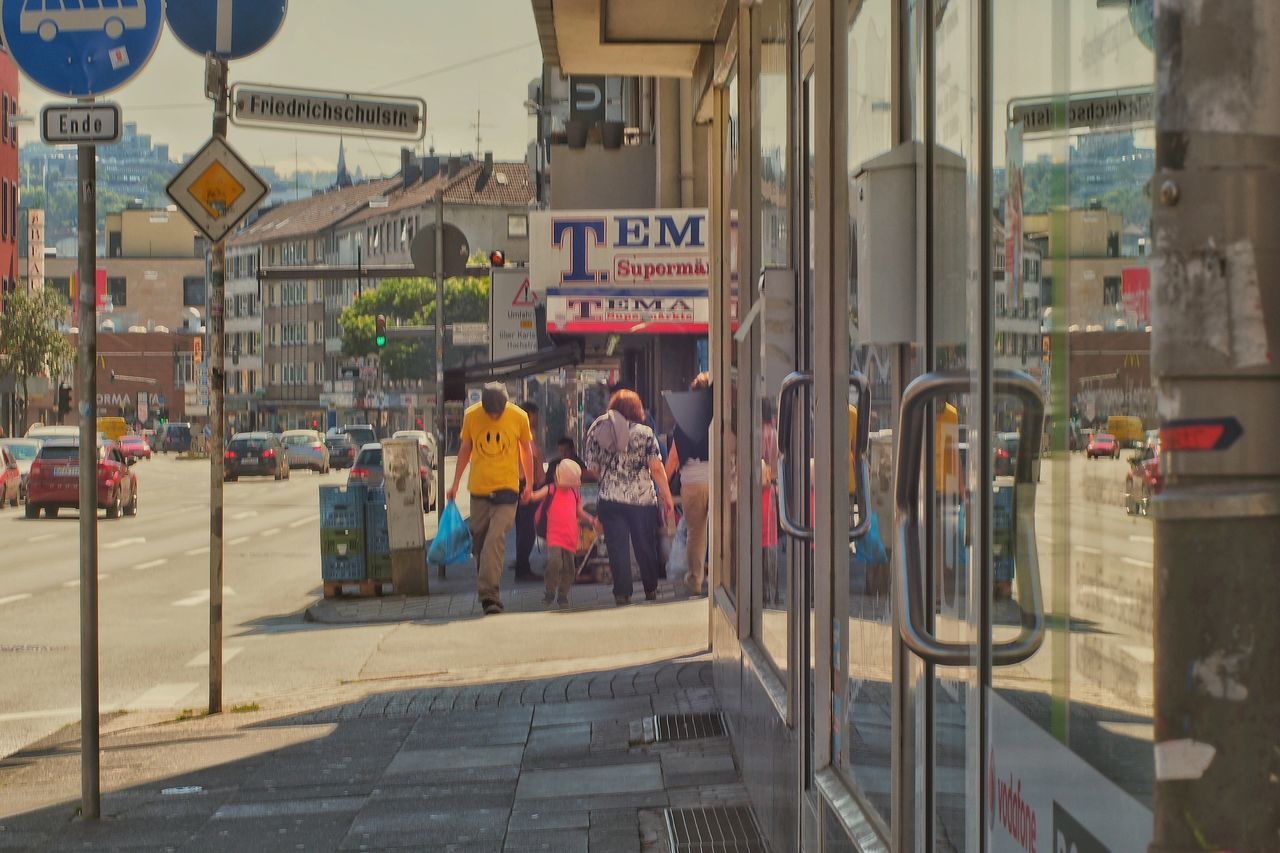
67 471
250 460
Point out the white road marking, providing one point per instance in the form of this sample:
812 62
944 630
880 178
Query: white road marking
135 540
1088 549
302 521
239 540
241 516
1145 564
76 582
202 659
10 599
43 537
196 551
1145 540
201 596
162 696
270 531
150 564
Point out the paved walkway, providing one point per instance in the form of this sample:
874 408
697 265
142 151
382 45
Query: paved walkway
559 764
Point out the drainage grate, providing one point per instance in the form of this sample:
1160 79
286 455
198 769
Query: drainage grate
668 727
723 829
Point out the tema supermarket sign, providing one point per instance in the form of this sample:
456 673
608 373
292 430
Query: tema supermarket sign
622 271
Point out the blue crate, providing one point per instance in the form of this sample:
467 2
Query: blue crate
350 567
342 507
377 539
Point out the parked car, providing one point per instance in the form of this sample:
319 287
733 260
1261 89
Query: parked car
259 454
306 449
10 479
342 451
361 434
175 437
368 470
135 447
1143 481
24 452
1103 444
54 481
424 438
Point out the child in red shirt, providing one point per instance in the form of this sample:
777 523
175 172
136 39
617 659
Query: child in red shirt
562 509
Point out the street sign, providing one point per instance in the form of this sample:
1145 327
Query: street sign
470 334
319 111
80 124
81 49
217 189
512 313
229 29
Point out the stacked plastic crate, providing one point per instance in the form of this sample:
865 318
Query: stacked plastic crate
342 533
377 540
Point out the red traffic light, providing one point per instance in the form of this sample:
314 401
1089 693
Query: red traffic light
315 424
418 421
497 258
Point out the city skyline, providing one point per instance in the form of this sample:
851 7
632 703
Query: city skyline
478 57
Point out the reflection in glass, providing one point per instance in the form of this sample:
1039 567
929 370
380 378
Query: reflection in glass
729 577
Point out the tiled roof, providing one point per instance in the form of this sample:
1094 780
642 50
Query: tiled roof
310 215
507 185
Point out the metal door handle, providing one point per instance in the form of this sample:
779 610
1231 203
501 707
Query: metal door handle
909 604
792 383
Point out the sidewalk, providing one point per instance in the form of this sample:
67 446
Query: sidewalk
560 764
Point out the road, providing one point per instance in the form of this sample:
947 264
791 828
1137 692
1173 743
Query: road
153 595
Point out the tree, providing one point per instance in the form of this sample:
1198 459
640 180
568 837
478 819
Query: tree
412 301
30 341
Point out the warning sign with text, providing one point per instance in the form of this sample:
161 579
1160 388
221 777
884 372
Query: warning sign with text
512 320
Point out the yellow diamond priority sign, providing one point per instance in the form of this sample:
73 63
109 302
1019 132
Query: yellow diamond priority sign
217 189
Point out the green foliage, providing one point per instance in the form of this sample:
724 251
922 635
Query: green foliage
29 338
411 301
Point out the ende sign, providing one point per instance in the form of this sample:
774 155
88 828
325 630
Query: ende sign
622 270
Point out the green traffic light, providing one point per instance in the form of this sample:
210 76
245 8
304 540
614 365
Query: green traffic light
381 340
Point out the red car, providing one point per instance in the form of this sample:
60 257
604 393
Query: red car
54 481
1143 481
135 447
1103 444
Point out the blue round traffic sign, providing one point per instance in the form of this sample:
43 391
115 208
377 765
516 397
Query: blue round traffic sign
229 29
81 48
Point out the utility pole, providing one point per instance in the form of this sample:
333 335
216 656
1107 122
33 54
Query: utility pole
1215 354
217 85
87 339
441 449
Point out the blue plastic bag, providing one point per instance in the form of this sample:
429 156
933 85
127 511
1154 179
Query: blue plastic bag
452 544
678 560
869 550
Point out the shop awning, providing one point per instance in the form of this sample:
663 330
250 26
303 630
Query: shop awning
657 38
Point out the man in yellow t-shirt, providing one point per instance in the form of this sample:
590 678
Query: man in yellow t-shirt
498 444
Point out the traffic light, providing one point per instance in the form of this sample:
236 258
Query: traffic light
64 399
497 258
418 423
380 333
315 424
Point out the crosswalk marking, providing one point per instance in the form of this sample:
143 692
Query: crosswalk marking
228 652
241 516
196 551
150 564
239 540
270 531
1145 564
10 599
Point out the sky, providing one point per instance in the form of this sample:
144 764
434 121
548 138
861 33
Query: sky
458 55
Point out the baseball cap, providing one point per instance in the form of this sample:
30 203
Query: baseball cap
494 398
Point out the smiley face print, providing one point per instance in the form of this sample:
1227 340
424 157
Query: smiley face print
493 442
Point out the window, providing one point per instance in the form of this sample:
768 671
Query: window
61 286
4 214
193 290
4 119
1111 290
518 225
117 292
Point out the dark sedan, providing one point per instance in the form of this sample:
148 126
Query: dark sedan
255 454
342 450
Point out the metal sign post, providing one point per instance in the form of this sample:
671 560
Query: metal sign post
442 449
217 414
87 226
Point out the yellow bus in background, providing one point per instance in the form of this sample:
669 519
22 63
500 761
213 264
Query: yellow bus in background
1127 429
112 427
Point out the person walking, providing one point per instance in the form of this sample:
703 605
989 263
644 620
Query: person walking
526 535
690 456
497 443
567 450
560 510
623 454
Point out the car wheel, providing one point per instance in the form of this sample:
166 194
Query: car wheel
13 501
51 512
113 508
32 511
132 507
